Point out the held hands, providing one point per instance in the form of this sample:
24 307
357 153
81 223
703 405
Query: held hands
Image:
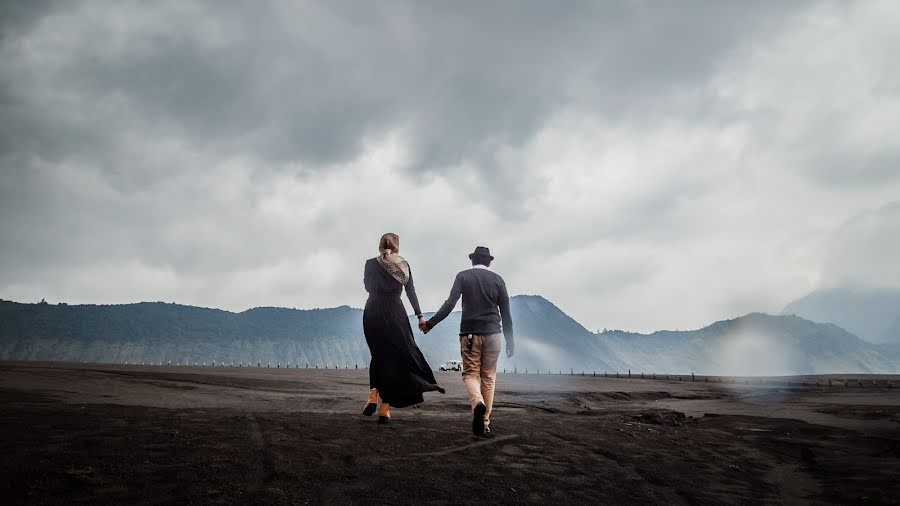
422 325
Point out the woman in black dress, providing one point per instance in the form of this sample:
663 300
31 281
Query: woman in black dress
398 373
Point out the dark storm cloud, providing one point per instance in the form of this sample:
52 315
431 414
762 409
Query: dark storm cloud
309 82
20 16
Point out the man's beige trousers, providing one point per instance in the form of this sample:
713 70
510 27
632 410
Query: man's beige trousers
479 360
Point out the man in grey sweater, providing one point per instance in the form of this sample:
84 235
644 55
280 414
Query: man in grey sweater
485 303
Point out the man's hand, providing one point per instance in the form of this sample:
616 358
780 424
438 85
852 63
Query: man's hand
510 349
423 326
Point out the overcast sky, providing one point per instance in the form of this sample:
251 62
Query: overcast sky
642 164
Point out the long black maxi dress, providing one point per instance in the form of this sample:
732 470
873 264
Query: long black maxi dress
398 369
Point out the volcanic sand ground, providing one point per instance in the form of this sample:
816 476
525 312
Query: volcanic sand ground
123 434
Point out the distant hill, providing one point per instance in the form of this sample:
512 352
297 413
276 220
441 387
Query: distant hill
546 339
872 314
756 344
162 332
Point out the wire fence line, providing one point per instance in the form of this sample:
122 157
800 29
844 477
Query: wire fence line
836 380
259 364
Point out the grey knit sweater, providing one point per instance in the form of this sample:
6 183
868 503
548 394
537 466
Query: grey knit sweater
484 302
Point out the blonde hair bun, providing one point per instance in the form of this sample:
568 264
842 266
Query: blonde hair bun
389 243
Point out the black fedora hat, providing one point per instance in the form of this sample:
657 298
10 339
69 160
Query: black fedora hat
481 252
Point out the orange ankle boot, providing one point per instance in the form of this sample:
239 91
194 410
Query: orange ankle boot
371 404
384 413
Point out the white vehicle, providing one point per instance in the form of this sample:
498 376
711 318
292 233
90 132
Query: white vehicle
451 365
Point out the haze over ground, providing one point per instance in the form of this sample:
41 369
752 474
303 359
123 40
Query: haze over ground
644 167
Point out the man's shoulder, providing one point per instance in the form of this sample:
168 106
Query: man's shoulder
482 273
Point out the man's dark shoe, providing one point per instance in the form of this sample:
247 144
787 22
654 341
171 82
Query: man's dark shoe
478 419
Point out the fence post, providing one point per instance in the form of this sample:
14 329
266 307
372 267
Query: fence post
692 376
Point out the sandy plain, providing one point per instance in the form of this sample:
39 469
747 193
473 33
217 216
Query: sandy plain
114 434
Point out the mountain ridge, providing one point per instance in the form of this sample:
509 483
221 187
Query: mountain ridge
546 339
871 313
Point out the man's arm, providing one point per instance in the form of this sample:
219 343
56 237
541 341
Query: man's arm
506 318
449 304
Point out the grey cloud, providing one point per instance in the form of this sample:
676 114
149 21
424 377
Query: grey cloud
863 252
157 133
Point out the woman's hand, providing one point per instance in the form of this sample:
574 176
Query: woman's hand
423 326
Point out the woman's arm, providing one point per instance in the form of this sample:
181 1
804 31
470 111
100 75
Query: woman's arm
411 295
368 280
